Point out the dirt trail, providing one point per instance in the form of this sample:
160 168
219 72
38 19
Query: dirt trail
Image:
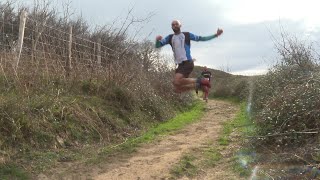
153 161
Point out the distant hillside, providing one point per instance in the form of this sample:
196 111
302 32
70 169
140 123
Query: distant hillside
225 84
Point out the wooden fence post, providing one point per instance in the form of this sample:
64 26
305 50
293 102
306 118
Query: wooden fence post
23 18
69 60
99 52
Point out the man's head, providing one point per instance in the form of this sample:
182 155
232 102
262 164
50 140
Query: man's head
176 25
205 68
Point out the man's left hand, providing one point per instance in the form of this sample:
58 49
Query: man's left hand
219 32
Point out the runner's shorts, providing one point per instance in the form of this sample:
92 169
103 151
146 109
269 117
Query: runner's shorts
185 68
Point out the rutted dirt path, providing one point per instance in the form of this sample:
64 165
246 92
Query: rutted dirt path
154 160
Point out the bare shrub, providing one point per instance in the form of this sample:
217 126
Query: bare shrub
286 101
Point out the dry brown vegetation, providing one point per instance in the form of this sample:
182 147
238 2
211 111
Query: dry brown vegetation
111 88
286 101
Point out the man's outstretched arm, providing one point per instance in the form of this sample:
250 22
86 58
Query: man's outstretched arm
161 42
205 38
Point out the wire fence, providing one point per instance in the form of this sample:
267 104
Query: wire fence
29 47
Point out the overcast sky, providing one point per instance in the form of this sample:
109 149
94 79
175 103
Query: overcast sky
246 47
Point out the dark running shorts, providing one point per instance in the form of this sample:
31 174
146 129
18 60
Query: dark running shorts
185 68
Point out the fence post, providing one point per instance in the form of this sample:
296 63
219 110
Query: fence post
68 62
99 52
23 18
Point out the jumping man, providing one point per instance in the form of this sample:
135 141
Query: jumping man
180 43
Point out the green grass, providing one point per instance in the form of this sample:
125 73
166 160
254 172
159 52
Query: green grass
176 123
224 139
244 125
243 122
43 160
193 162
9 172
172 125
211 156
186 166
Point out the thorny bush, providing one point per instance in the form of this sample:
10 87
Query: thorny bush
286 101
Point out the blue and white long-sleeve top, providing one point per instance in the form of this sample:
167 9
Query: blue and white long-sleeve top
181 44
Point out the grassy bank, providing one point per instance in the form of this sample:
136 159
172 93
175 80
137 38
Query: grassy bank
39 161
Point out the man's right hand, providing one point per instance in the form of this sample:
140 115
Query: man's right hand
158 38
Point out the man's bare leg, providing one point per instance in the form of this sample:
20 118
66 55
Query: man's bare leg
183 84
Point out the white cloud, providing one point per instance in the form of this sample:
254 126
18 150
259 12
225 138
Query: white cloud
253 11
260 70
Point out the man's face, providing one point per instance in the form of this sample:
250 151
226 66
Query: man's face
175 25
